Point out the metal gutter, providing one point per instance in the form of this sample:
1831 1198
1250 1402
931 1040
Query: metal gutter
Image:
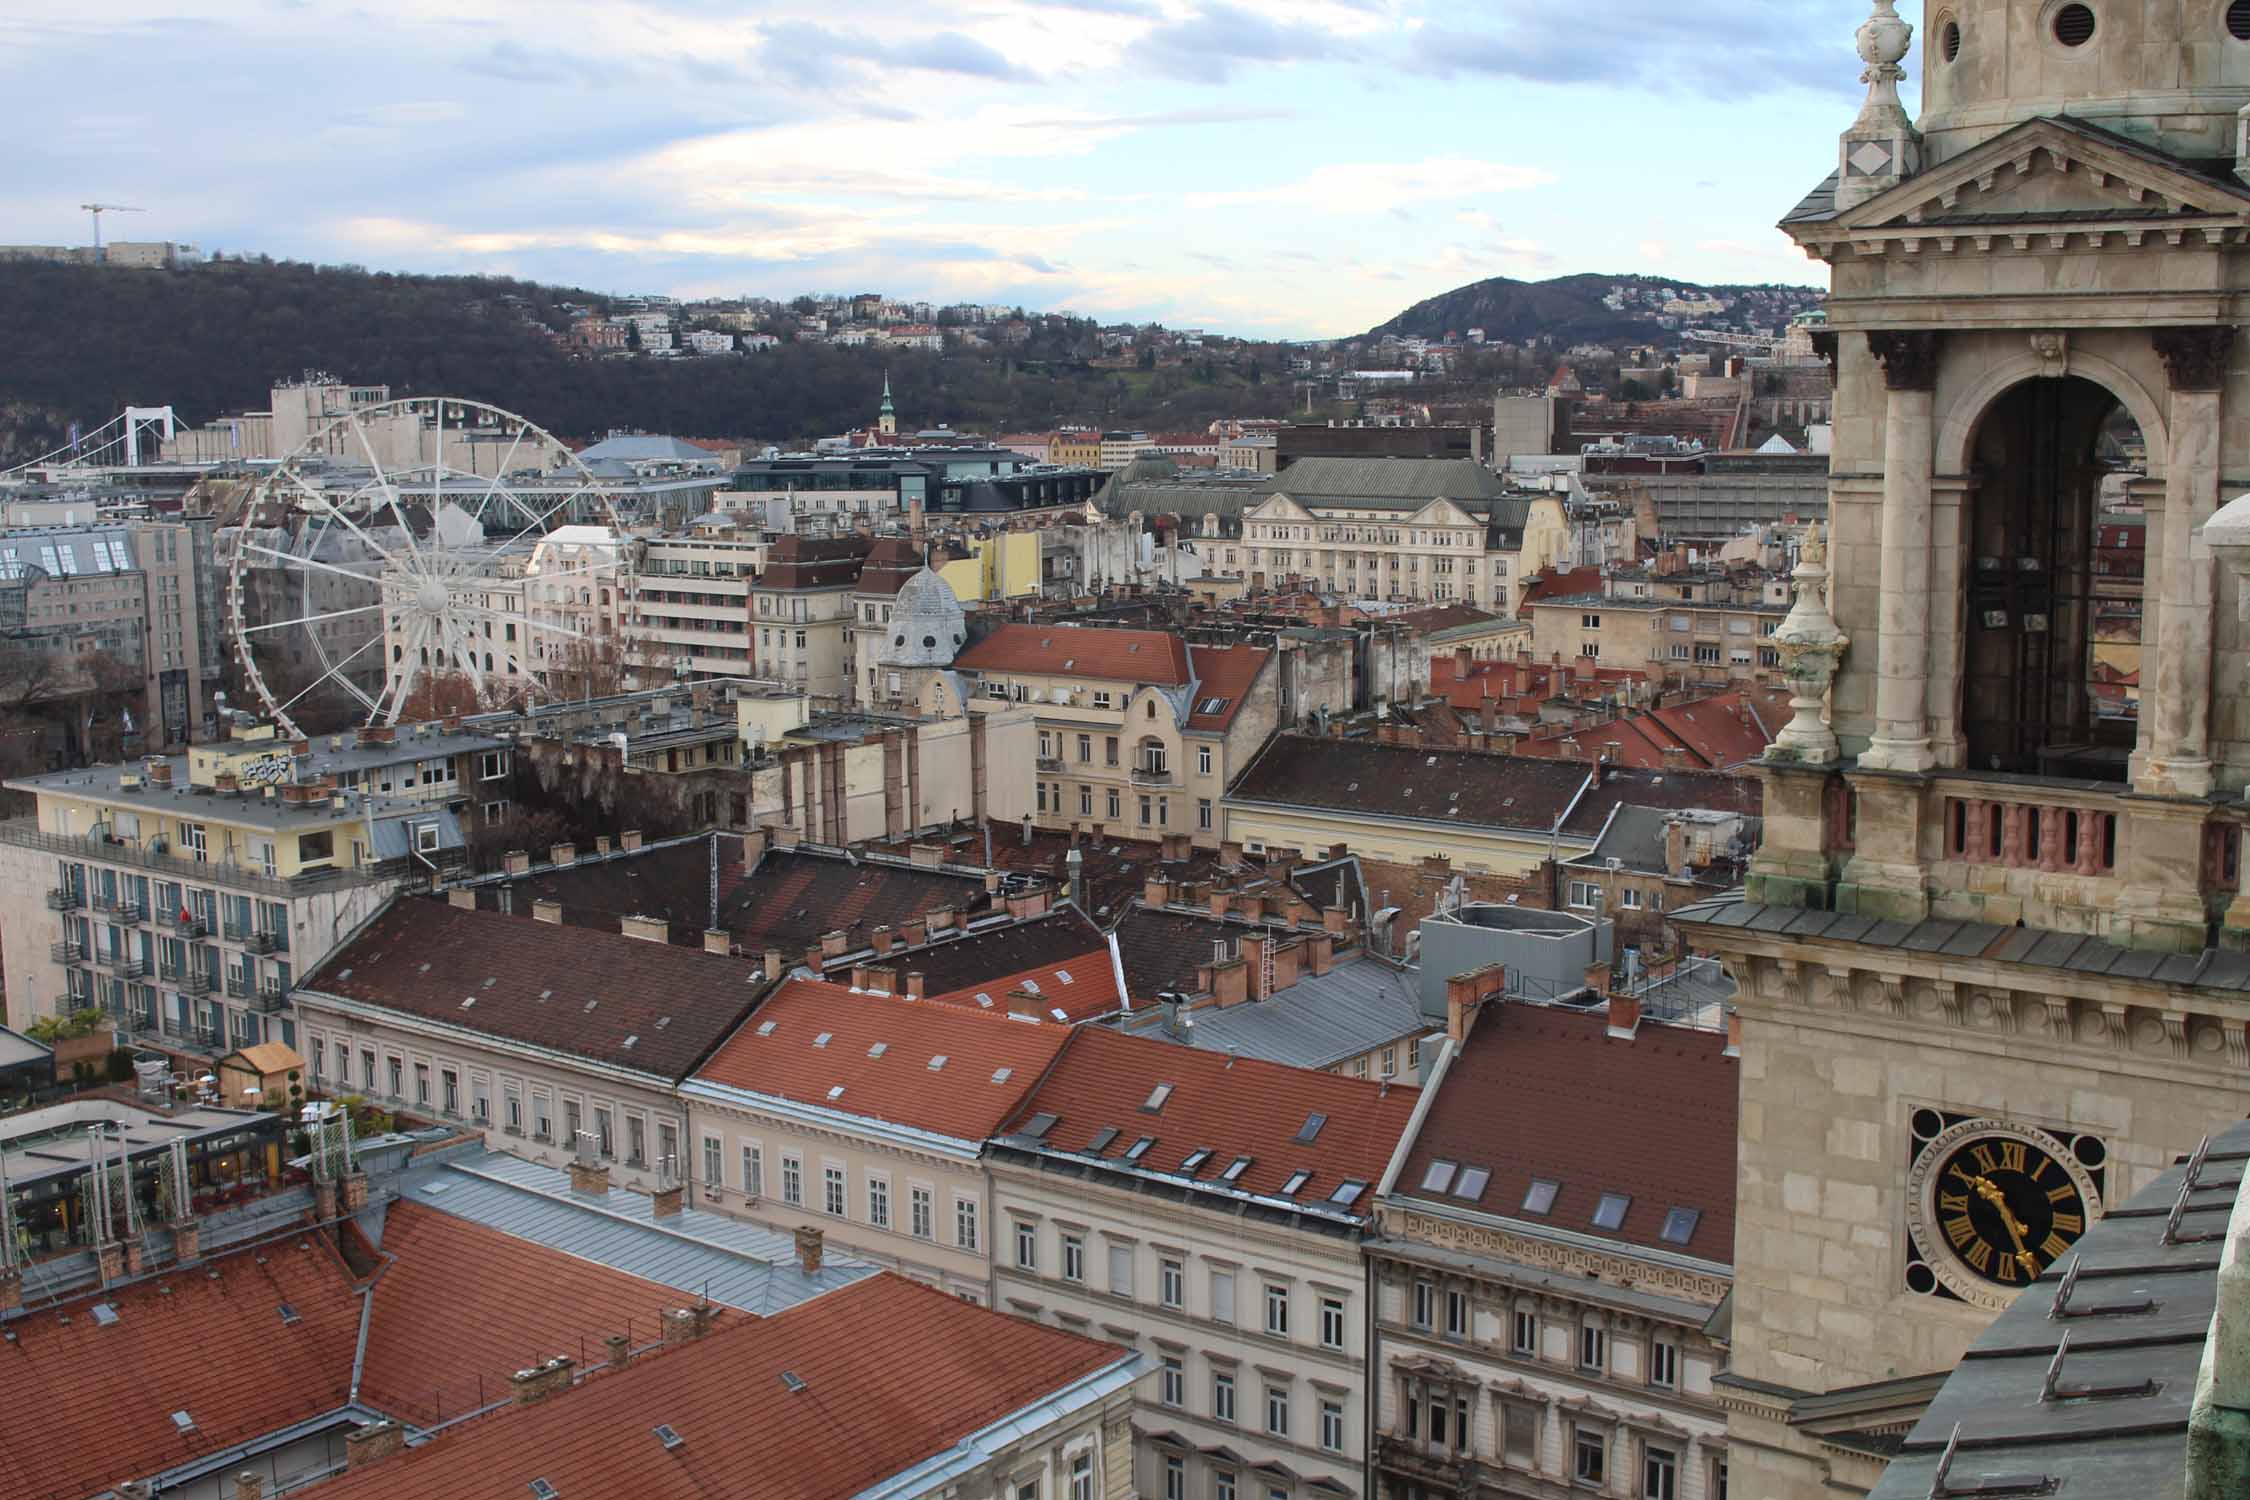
1446 1053
833 1119
972 1452
408 1021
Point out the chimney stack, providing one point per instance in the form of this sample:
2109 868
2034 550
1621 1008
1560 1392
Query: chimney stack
461 898
371 1443
249 1485
546 910
619 1349
718 940
1624 1015
536 1384
1466 992
809 1239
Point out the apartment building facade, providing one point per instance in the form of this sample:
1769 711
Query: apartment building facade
1138 731
690 612
1547 1288
1702 625
185 894
1207 1212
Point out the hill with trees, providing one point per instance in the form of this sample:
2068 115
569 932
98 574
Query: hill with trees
1589 308
85 341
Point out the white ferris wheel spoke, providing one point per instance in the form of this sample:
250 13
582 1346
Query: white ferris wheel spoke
335 671
334 614
386 486
329 510
291 558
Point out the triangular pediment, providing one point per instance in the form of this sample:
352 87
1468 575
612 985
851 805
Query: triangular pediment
1441 512
2042 180
1279 507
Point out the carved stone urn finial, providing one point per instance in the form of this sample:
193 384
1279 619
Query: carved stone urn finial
1882 148
1811 649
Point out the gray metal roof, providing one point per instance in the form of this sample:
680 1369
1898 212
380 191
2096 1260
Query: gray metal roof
2079 953
2136 1317
643 447
735 1263
17 1049
1417 479
1317 1022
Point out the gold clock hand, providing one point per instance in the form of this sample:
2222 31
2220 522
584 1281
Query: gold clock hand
1990 1192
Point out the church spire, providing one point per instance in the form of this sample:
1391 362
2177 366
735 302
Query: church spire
887 422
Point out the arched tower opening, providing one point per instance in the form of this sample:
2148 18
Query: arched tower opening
2051 642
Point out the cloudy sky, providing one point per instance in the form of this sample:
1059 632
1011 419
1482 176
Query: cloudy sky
1269 167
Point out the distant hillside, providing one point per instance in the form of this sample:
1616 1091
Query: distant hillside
1571 309
84 341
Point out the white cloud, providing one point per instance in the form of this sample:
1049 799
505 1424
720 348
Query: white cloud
1377 187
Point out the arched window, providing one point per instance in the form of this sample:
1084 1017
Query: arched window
2051 661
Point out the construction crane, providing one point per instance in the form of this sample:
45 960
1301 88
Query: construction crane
97 210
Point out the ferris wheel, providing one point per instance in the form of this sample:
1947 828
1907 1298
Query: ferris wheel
420 538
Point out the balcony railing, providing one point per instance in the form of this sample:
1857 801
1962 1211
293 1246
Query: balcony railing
269 997
186 924
24 833
186 981
237 987
123 965
67 953
1050 763
121 908
64 898
1152 776
260 942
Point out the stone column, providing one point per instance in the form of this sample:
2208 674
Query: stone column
1902 660
2179 760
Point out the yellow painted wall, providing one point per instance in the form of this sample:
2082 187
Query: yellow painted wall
1482 851
224 842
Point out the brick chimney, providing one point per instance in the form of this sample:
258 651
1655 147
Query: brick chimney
619 1351
1335 920
773 964
629 840
1675 847
1467 991
249 1485
460 898
1230 982
815 957
1320 953
548 911
1251 906
646 929
666 1202
1028 903
914 984
915 933
939 918
1624 1015
562 854
1286 958
881 939
516 861
718 940
372 1442
834 944
536 1384
809 1239
589 1177
1156 891
1220 901
1253 960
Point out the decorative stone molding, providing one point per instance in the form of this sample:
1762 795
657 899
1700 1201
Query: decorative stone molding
2195 359
1840 987
1894 992
2052 349
2176 1031
1953 1000
2115 1025
1612 1270
1909 357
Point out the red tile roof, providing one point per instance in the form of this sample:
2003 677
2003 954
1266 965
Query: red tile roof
1081 989
647 1006
1542 1092
892 1373
446 1331
1558 581
895 1085
1229 1107
88 1403
1152 656
1225 673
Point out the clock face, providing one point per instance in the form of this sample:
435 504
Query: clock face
1993 1204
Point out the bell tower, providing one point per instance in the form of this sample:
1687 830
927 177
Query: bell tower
886 423
1998 909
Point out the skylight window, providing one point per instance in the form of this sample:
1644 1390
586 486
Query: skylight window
1156 1097
1539 1198
1101 1140
542 1490
877 1049
1610 1212
1038 1125
937 1062
765 1028
1438 1176
1139 1148
1064 976
1679 1225
984 999
1471 1184
1059 1013
1297 1179
1235 1169
1195 1159
1310 1130
824 1039
1001 1075
666 1435
1347 1192
1031 986
837 1092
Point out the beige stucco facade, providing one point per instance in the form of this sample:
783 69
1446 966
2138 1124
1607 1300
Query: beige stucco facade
1438 553
1189 1288
912 1201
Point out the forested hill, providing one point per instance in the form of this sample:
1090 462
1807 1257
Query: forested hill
85 341
1573 309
